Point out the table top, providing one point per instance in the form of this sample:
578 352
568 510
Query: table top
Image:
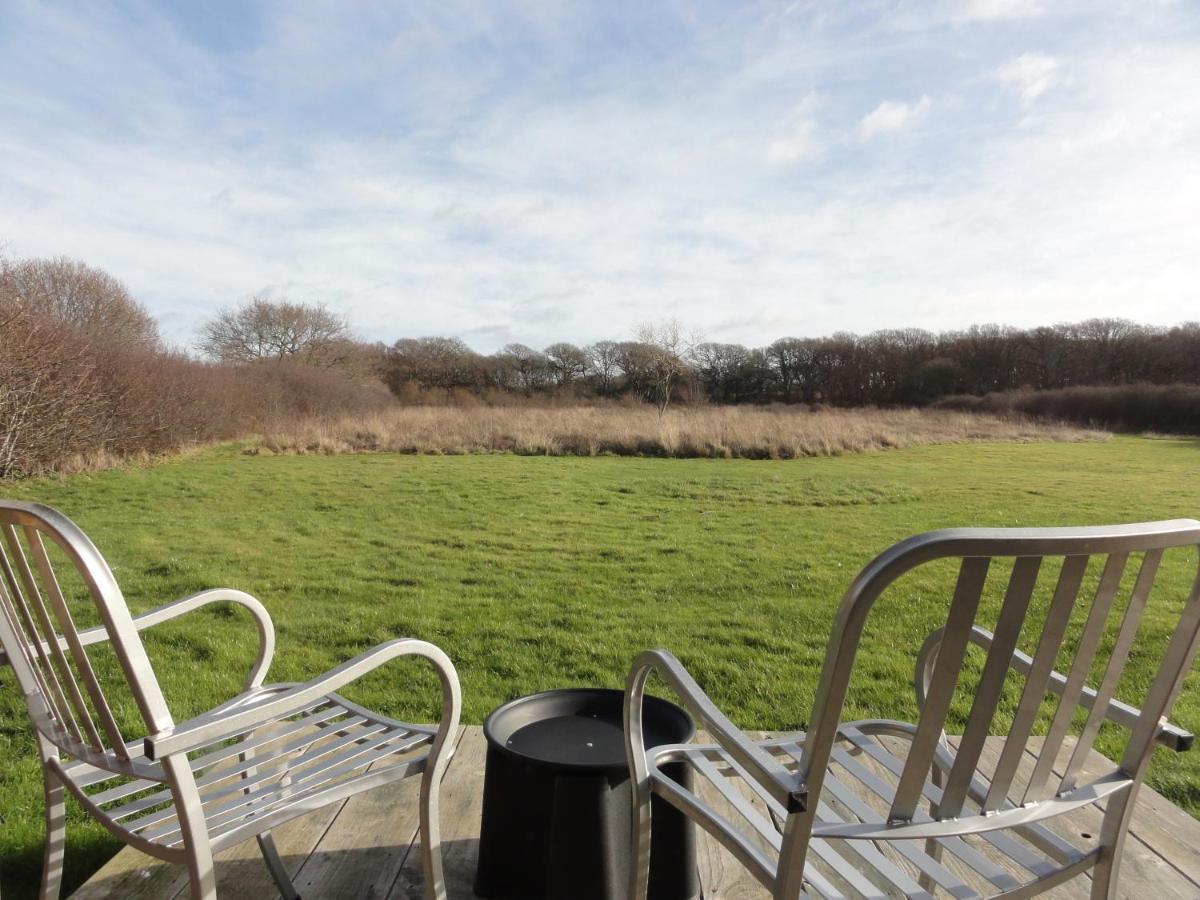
580 728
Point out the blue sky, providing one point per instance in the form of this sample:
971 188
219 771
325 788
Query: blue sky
544 171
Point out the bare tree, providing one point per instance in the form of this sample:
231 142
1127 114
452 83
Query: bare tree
89 300
662 358
567 362
50 403
604 364
531 368
263 329
434 362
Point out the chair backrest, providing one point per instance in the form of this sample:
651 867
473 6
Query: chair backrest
1069 626
64 695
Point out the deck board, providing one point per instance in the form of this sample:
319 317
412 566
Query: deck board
367 847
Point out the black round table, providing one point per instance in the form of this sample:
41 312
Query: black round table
557 801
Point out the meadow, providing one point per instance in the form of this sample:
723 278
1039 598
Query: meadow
536 572
623 429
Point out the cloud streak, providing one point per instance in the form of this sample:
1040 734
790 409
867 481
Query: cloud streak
893 115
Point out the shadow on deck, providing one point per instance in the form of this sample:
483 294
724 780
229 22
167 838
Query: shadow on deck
367 847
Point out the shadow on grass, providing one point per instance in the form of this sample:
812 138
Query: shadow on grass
21 871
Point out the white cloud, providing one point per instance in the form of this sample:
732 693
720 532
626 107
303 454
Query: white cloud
799 141
785 151
892 115
998 10
1031 74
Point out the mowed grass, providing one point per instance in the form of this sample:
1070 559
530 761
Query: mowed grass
535 573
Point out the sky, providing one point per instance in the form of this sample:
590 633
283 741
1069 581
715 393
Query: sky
535 171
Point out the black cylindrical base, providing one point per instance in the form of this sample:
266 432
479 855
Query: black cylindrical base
561 831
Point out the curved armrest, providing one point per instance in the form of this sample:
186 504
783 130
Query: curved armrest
217 724
785 787
168 611
1169 735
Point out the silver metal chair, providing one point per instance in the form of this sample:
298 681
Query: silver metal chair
188 789
838 811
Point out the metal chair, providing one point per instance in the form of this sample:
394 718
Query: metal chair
189 789
838 811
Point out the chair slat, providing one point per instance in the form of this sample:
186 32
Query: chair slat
991 685
963 607
1038 787
1004 843
268 795
63 680
31 652
1053 629
1168 682
825 851
1116 665
763 826
845 869
924 863
82 662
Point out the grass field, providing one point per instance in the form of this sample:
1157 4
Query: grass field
538 572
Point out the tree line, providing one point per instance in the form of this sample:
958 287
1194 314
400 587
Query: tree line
84 370
885 368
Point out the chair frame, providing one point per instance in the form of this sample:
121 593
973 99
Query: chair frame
794 793
43 646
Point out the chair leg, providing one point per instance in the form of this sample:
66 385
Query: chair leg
275 866
56 837
639 864
431 835
1104 874
202 878
933 847
1113 831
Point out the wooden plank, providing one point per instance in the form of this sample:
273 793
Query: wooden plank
1158 825
361 854
461 812
722 877
1144 872
241 872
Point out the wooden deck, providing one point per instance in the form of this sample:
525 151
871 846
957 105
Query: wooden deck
364 848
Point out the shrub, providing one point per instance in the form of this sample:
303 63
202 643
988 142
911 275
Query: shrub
1169 408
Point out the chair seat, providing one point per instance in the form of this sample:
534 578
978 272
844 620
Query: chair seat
260 778
858 787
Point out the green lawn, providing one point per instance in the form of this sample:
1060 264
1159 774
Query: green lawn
535 573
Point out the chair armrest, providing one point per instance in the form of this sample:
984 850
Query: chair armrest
1168 735
168 611
781 784
217 724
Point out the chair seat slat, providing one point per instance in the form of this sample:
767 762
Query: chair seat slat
228 805
858 807
763 826
1003 842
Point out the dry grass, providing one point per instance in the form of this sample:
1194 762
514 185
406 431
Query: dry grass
721 431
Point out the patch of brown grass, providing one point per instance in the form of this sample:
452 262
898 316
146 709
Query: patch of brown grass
711 431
